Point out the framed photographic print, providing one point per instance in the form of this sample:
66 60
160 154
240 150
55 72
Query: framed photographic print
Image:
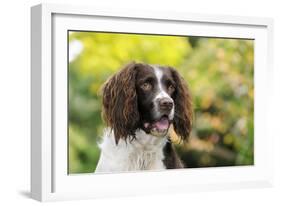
136 102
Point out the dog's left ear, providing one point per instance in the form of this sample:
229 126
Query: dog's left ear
183 107
120 107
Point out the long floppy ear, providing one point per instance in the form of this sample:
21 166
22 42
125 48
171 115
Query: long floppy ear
120 108
183 107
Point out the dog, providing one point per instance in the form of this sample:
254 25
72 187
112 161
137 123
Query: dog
140 104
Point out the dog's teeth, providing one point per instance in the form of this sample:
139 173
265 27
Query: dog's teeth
146 125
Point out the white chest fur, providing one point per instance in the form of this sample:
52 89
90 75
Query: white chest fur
143 153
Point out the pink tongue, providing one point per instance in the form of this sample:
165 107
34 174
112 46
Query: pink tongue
162 124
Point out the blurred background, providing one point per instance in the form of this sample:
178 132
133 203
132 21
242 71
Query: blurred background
219 72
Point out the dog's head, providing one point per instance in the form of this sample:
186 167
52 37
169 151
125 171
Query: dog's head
142 96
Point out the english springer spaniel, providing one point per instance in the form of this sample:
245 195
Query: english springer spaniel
140 103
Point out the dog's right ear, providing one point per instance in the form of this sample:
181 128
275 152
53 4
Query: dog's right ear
183 107
120 107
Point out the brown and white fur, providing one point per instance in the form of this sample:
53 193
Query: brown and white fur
140 103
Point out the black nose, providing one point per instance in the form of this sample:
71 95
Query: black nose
166 104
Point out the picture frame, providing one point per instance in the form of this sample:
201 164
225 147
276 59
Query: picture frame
49 175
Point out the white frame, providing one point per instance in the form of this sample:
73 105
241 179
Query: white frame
49 180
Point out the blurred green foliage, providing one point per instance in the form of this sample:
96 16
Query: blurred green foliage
218 71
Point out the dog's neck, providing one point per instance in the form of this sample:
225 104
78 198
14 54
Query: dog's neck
145 152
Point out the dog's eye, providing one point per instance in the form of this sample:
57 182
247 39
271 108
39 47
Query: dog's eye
171 88
146 86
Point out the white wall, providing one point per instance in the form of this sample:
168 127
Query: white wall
15 95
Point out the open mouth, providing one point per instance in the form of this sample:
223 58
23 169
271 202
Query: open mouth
159 127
